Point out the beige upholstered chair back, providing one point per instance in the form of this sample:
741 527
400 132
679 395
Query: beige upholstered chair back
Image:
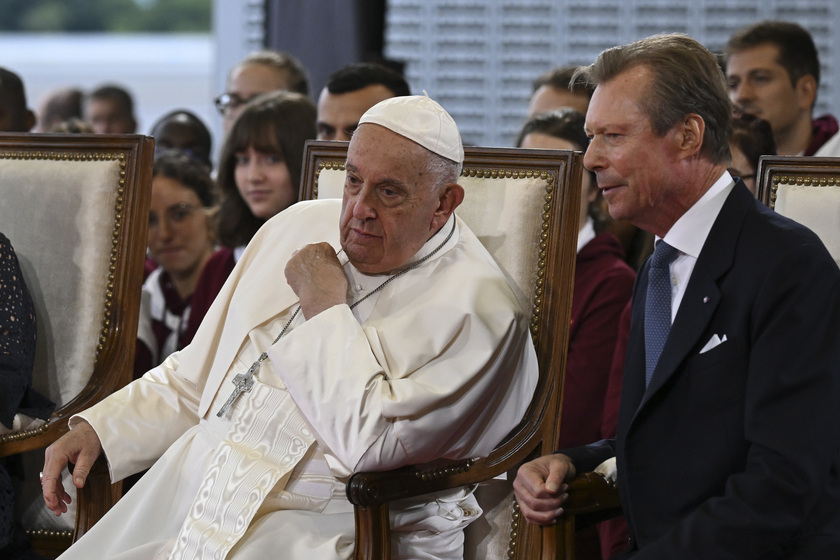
75 208
807 190
522 206
54 213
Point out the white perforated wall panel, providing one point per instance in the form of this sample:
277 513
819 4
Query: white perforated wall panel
479 58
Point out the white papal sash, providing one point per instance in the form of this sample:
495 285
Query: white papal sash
267 438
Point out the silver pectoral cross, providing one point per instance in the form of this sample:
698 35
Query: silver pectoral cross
243 382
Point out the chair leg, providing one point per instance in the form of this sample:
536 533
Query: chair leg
96 497
373 533
564 535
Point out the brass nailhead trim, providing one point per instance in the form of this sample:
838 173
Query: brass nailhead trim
806 180
336 165
427 476
49 533
515 520
26 434
801 180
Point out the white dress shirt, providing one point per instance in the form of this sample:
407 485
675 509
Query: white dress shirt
689 233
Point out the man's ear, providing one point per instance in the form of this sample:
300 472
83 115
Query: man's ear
450 196
806 92
691 133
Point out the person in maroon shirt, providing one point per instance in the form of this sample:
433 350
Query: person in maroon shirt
180 243
773 72
602 289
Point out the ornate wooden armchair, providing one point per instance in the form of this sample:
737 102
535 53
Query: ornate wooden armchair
523 205
805 189
75 208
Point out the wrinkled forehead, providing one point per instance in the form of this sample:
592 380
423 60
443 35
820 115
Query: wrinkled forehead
375 142
620 98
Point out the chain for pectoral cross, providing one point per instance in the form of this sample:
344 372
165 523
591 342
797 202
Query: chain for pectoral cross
243 382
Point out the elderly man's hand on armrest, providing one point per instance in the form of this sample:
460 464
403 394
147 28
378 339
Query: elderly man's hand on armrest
540 487
80 446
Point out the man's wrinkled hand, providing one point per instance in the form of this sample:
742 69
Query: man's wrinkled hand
316 276
80 446
540 488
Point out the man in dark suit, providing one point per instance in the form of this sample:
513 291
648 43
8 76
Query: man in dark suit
728 444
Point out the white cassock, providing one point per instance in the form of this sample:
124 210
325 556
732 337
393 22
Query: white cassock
438 364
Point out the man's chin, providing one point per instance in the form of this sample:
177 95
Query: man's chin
358 257
616 211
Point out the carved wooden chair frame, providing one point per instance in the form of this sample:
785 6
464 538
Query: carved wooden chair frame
371 493
114 352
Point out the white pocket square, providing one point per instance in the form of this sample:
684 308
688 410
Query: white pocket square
714 341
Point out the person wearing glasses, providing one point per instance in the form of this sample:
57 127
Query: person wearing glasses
181 242
259 72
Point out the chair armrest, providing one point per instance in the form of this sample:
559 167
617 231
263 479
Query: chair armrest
368 489
592 498
591 493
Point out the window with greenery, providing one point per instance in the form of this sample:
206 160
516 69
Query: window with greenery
96 16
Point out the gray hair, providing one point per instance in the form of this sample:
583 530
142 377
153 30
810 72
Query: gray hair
443 171
687 80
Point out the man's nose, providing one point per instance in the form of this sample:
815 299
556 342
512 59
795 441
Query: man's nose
364 209
593 157
742 91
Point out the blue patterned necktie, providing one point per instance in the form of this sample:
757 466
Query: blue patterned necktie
658 305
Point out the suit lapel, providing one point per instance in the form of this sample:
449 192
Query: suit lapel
702 295
696 310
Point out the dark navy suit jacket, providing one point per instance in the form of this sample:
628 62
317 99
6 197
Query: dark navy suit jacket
735 452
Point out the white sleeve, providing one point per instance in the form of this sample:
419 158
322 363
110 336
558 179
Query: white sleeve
138 423
454 397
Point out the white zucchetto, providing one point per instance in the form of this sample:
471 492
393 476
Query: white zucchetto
420 119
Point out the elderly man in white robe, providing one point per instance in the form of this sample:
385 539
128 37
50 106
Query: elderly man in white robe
394 339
